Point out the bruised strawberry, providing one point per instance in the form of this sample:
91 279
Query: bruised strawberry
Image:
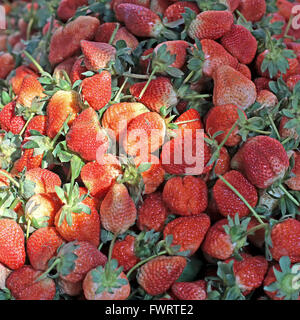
252 10
174 11
267 99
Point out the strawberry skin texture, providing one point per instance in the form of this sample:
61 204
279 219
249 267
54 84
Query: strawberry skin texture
190 290
9 121
42 246
232 87
28 160
185 196
189 115
118 211
217 243
210 25
61 104
240 43
86 136
188 232
175 10
23 285
159 93
152 213
252 10
96 90
262 160
123 251
67 8
98 178
227 201
140 21
12 249
285 238
82 28
158 275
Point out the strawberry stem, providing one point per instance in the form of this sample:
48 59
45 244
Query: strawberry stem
26 124
37 65
197 96
148 82
11 179
257 130
260 226
230 186
190 75
116 99
287 29
289 195
44 275
29 27
60 130
136 76
274 126
286 140
112 38
27 228
187 121
14 204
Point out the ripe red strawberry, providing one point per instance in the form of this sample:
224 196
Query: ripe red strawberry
262 159
227 201
210 25
96 90
185 196
97 55
118 115
160 93
9 121
98 177
116 3
222 118
61 104
123 252
37 123
27 160
7 62
118 211
158 274
232 87
21 73
105 31
175 10
267 99
252 10
86 136
77 70
145 63
285 240
223 163
240 43
82 28
44 179
190 290
67 8
41 208
188 232
152 213
42 246
12 250
292 81
177 48
145 134
217 243
244 69
262 83
140 21
189 119
23 285
250 272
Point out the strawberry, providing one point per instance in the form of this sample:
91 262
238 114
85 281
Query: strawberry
190 290
23 285
86 136
227 201
262 159
174 11
252 10
284 132
118 115
232 87
159 6
99 177
240 43
8 119
44 179
21 73
64 67
267 99
244 70
189 119
7 62
152 213
285 240
60 106
157 275
222 118
258 237
217 243
223 162
96 90
188 232
72 289
118 211
116 3
105 31
37 123
292 81
42 246
210 25
145 134
41 208
97 55
185 196
12 250
67 8
28 160
160 93
262 83
82 28
77 70
123 252
145 60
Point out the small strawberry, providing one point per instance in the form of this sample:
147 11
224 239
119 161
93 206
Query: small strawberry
185 196
9 121
174 11
252 10
41 246
21 73
67 8
63 68
190 290
157 275
152 213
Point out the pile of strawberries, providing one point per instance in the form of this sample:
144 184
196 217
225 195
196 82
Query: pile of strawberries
91 210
